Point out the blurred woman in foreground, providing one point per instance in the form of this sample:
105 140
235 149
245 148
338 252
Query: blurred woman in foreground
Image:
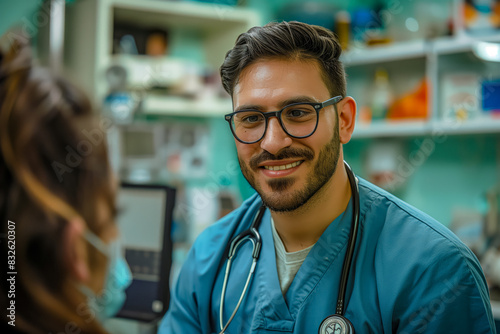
63 269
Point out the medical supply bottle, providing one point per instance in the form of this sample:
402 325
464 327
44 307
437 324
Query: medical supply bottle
381 94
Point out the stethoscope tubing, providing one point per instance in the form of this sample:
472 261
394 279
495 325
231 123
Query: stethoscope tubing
253 235
250 274
351 244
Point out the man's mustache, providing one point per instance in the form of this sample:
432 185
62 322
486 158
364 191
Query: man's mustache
302 154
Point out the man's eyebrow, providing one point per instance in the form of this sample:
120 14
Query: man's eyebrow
250 107
284 103
298 99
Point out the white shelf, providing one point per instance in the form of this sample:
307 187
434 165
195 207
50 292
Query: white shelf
385 53
178 106
390 129
414 49
421 128
209 17
472 126
465 43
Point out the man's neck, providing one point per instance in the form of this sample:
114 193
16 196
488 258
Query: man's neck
303 227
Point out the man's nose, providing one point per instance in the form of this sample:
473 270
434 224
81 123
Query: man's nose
276 138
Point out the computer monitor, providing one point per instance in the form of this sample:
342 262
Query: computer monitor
145 225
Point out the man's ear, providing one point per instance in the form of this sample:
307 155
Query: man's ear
347 118
75 251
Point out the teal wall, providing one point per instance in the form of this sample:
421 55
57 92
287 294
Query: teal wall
16 12
269 8
456 175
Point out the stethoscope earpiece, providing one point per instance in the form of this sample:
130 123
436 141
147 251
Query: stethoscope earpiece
336 324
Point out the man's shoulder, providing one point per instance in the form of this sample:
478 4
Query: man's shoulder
414 249
377 199
400 224
220 232
210 246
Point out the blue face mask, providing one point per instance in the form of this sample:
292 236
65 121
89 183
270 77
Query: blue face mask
107 303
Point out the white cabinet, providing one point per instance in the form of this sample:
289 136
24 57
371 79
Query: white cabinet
89 39
410 62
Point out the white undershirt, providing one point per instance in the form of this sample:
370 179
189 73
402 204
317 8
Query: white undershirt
287 263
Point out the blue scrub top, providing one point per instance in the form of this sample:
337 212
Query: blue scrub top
410 275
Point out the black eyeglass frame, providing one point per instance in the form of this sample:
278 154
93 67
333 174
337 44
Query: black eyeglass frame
317 107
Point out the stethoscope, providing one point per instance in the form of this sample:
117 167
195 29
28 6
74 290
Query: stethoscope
335 323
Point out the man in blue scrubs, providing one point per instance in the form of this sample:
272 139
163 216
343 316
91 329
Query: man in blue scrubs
409 275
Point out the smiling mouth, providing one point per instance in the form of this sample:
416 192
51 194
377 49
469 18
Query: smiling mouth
283 167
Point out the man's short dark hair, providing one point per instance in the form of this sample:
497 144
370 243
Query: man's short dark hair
289 41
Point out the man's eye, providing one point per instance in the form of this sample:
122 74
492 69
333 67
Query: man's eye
297 112
251 118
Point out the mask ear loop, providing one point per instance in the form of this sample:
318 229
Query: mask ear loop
121 276
112 251
102 247
97 243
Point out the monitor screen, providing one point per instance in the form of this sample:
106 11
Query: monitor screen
145 226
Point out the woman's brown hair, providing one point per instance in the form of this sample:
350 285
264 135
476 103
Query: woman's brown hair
53 170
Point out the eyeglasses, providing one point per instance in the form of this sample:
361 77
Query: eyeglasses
298 120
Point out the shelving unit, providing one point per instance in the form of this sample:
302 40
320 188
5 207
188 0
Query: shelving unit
385 54
462 43
431 52
424 128
414 49
170 106
89 50
184 124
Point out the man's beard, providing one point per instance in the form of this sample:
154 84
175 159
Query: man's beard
282 200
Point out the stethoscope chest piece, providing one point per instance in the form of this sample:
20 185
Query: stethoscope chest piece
336 324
